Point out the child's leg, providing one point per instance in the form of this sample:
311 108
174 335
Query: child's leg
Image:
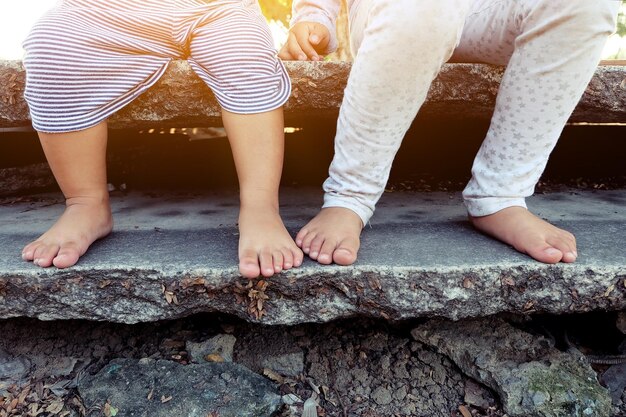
84 62
232 51
78 161
401 46
552 49
257 141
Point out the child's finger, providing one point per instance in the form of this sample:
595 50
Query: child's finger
294 48
302 36
319 36
285 55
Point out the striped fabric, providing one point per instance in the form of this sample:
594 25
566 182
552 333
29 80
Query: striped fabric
86 59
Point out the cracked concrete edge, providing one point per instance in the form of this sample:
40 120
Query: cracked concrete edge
180 99
313 294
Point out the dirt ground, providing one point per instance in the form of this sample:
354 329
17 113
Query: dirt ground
360 367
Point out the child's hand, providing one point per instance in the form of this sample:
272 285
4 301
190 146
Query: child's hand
307 40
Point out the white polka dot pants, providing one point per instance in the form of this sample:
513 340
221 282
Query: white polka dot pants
550 47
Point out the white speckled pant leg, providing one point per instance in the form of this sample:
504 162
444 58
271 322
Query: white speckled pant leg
551 49
400 46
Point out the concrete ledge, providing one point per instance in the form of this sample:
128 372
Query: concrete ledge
173 255
180 99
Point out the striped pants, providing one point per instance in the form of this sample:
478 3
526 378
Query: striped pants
550 47
86 59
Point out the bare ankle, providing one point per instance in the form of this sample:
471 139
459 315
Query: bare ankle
95 199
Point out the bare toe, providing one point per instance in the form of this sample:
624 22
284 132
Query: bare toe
316 247
267 263
28 253
68 255
44 255
326 252
346 253
298 257
287 258
278 261
249 264
565 245
301 236
545 253
307 240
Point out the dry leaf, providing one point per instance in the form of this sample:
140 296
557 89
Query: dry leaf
56 406
273 376
291 399
214 357
609 290
310 406
463 409
375 283
109 410
508 281
169 297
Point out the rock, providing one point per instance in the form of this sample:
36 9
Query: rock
401 393
531 377
221 345
477 395
621 321
289 364
149 388
382 396
180 99
12 369
614 379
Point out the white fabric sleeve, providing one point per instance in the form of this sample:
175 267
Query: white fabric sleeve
324 12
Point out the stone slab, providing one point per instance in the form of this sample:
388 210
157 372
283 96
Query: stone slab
175 254
151 388
531 376
180 99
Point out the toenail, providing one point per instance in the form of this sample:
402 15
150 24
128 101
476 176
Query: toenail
314 254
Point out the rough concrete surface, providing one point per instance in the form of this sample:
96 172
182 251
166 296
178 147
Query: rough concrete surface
180 99
532 378
173 255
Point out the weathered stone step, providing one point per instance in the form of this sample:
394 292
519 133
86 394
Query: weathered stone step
173 255
180 99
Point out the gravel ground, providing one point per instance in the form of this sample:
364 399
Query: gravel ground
359 367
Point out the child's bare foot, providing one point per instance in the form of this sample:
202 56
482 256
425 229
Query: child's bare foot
529 234
83 222
265 246
332 236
